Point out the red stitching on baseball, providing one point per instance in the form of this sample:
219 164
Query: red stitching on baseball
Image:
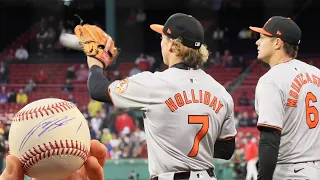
43 110
50 150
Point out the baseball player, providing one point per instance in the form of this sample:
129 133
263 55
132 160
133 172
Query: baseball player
287 104
188 116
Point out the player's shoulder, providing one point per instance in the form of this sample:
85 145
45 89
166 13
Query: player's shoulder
142 75
280 73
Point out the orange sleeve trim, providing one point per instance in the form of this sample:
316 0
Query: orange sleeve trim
269 126
227 138
111 96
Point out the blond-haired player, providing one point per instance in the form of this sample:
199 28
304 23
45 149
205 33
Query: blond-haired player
188 115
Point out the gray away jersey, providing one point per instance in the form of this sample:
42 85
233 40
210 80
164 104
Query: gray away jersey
287 98
185 111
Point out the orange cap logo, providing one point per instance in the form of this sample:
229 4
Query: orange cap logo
278 32
169 31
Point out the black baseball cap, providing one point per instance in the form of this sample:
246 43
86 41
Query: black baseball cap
183 26
281 27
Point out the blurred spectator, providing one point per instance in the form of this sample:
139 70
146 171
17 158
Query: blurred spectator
141 16
22 97
68 86
217 34
64 29
243 100
251 154
70 73
142 63
4 73
116 153
142 151
41 77
30 86
237 116
3 95
50 39
108 145
125 152
41 37
254 120
140 135
96 123
227 59
2 148
216 59
111 120
84 111
244 120
12 96
82 73
124 120
106 135
242 63
252 101
245 33
91 130
43 23
22 53
135 70
93 107
71 99
140 58
151 60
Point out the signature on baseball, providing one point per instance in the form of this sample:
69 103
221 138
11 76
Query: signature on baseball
47 126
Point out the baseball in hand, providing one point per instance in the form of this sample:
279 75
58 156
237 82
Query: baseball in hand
70 41
51 138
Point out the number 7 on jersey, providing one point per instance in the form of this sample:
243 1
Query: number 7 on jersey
198 119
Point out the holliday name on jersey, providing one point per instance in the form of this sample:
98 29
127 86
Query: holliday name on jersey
182 99
298 82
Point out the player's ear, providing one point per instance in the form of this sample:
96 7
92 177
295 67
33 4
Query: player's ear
278 43
171 44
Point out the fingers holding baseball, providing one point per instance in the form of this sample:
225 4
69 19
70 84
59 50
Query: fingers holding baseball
94 169
13 169
99 151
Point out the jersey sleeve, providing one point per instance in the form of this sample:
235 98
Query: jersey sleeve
132 92
228 129
269 106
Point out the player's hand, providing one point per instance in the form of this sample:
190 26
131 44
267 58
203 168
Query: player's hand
92 169
108 47
94 42
13 170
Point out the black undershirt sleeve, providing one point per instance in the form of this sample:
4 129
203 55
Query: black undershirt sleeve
268 152
98 84
224 149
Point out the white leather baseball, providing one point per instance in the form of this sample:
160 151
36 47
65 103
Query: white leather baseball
50 137
70 41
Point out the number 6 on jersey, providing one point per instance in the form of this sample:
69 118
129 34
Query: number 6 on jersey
198 119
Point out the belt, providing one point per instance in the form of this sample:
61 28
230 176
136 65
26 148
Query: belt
186 175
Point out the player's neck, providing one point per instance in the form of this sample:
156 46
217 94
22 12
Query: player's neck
174 60
278 60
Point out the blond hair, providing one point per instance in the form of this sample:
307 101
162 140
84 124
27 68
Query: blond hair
191 57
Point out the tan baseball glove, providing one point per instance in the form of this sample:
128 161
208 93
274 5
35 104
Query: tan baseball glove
96 43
